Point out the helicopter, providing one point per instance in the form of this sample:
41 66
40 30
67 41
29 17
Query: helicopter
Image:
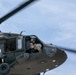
27 54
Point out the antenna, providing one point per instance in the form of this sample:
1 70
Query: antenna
15 10
21 32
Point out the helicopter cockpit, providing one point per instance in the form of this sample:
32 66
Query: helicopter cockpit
33 44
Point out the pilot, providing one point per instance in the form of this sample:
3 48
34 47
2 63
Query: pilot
35 47
32 43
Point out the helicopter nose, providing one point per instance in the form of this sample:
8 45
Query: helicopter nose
57 56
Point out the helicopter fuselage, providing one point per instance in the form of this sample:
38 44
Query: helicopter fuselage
29 49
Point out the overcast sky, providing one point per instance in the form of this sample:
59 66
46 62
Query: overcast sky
53 21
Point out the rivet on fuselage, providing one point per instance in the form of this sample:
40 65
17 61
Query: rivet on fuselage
56 65
54 61
42 62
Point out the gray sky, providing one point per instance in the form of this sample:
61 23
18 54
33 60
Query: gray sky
53 21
